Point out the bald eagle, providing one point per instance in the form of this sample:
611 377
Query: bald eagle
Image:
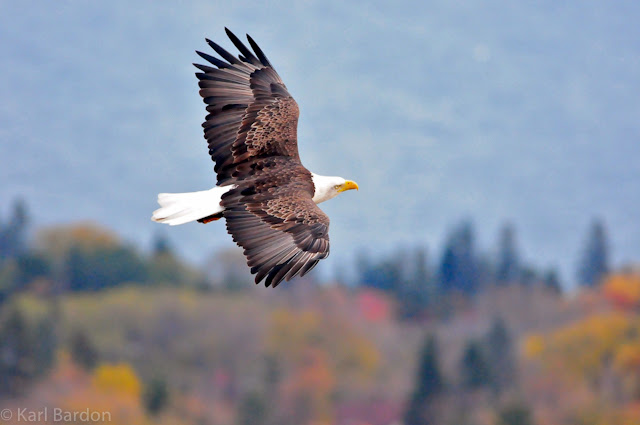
267 197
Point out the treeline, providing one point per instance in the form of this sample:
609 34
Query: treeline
318 347
80 257
419 283
85 257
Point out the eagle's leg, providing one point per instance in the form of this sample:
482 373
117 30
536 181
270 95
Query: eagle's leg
210 218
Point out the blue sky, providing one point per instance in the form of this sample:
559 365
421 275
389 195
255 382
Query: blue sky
441 110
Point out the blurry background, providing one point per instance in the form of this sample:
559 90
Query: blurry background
483 274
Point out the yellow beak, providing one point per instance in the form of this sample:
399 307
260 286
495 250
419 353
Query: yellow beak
348 185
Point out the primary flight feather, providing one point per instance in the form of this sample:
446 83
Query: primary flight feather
266 196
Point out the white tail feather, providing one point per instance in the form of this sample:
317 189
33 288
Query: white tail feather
180 208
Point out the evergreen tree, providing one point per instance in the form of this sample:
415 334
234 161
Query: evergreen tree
552 281
414 290
272 374
594 263
385 275
13 235
82 350
30 266
515 414
17 348
529 276
104 267
252 410
45 345
9 275
508 265
156 395
421 273
429 383
474 367
163 266
448 268
120 264
161 245
500 356
76 271
362 267
458 268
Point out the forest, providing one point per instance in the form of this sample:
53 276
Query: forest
91 323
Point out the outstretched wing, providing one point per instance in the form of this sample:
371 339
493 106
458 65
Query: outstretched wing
273 217
250 111
251 129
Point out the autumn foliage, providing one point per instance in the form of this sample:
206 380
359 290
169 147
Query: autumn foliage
596 357
623 290
94 324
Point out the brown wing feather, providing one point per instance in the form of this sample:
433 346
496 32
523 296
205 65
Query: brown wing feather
251 130
250 111
271 215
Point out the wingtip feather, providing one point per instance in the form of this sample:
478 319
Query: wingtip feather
261 56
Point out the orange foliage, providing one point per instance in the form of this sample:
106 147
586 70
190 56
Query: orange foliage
67 375
310 387
628 356
627 415
623 290
58 240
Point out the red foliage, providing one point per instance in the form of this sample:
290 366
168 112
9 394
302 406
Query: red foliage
373 306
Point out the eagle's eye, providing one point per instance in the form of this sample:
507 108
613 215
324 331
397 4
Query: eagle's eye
336 187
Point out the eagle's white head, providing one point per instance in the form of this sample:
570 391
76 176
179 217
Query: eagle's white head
328 187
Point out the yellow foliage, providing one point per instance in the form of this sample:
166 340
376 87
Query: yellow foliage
589 342
107 399
366 354
116 378
534 346
291 333
583 348
31 307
